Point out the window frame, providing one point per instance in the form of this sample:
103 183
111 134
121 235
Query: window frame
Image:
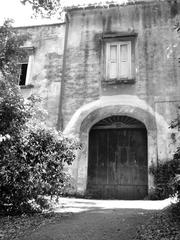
28 71
111 37
129 56
20 71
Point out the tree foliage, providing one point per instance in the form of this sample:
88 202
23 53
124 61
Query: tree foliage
32 156
164 173
50 7
44 7
10 51
31 166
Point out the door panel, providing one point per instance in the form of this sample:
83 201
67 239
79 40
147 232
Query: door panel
117 165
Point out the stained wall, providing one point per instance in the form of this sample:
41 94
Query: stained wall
153 95
46 66
155 87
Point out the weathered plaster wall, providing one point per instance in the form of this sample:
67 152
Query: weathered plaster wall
108 106
46 66
155 93
86 98
157 48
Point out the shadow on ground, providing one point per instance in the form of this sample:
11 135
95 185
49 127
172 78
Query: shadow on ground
82 219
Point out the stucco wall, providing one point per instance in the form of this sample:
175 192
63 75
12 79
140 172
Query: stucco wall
154 96
157 48
156 51
46 66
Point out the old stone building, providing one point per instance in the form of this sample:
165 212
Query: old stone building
110 76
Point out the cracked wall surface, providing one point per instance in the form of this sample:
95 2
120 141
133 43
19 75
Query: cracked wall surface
46 66
153 95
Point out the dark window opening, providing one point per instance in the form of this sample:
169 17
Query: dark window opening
22 78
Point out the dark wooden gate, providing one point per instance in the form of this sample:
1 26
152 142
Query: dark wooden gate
117 166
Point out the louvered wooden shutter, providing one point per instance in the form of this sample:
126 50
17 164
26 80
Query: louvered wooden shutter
118 60
113 61
124 60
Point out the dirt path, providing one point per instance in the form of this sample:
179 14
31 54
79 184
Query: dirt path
95 220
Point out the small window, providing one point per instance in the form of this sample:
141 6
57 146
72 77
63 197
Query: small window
23 74
118 60
25 67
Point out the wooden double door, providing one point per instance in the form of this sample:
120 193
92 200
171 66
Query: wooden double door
117 165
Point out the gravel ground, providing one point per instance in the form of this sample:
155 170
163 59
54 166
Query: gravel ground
164 225
14 227
96 224
79 219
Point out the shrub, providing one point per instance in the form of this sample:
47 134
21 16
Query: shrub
163 175
32 157
175 181
13 114
11 51
174 184
33 168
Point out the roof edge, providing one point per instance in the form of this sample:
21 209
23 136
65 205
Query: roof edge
40 25
110 5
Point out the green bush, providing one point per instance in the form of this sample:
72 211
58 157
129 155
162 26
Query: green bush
174 183
33 168
175 186
32 157
11 51
163 174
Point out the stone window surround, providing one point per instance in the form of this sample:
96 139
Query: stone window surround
118 37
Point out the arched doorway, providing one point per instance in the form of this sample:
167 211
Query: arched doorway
117 159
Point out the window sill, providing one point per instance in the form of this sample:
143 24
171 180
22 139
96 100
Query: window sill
27 86
118 81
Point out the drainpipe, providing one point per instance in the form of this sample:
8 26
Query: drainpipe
60 114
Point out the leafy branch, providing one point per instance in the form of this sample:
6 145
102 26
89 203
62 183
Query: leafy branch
11 51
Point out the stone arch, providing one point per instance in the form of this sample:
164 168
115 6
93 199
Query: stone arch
85 117
124 104
130 111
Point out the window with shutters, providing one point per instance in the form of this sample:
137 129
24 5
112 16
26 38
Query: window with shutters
25 68
23 74
118 60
